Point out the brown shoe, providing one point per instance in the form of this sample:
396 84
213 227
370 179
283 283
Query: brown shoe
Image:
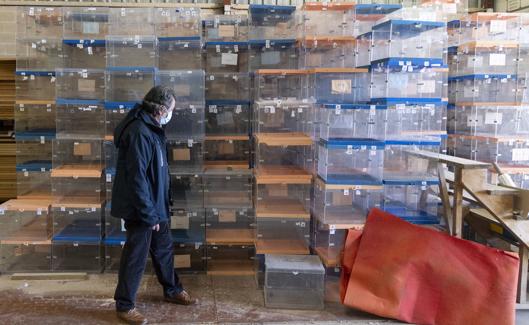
183 298
132 317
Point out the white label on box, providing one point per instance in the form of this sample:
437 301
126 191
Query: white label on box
498 26
497 59
349 150
90 51
427 87
341 86
109 178
346 192
182 261
238 109
179 222
493 118
123 225
86 85
520 154
270 57
90 27
182 90
229 59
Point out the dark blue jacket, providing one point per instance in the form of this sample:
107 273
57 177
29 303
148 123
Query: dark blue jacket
141 187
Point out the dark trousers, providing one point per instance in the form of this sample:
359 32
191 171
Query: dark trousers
141 239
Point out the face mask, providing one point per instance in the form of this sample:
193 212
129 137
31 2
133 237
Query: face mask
165 119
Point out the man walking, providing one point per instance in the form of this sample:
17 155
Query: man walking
140 196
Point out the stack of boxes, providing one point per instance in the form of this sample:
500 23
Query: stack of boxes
230 218
489 91
348 157
179 40
408 77
282 142
131 59
77 211
342 94
26 226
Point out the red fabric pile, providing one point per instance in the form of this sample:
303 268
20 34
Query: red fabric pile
398 270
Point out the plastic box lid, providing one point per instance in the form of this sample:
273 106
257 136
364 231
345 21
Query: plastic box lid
294 263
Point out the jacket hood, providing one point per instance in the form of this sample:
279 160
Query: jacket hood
136 113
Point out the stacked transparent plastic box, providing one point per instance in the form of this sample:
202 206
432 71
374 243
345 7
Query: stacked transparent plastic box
283 161
489 92
294 282
78 158
25 239
179 37
409 85
228 192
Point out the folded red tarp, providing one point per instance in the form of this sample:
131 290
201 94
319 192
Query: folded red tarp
398 270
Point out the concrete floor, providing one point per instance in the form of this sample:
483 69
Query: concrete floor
222 300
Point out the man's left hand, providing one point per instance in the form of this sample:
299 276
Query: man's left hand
156 227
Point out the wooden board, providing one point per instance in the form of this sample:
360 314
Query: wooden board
26 205
488 44
282 175
77 202
330 6
341 226
231 267
227 138
230 236
281 71
338 70
494 139
282 209
449 160
226 165
331 257
88 171
294 247
283 139
500 207
35 101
